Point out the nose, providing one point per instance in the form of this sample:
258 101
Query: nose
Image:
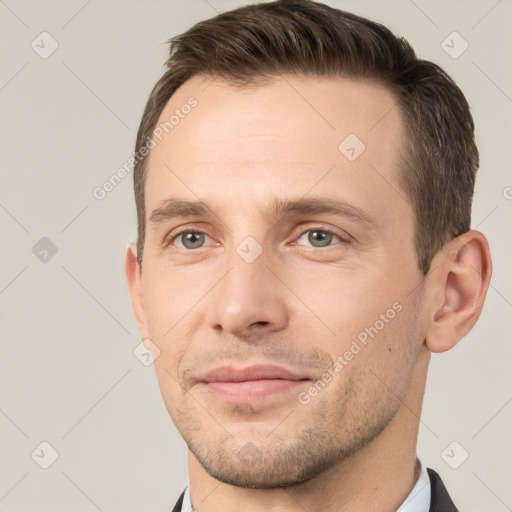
248 300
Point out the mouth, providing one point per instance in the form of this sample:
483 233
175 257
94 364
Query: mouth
258 382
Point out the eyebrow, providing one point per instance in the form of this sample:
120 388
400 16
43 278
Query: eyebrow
178 208
174 207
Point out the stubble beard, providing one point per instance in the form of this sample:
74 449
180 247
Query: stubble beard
297 451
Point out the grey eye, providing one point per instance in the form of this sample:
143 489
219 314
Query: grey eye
191 239
319 238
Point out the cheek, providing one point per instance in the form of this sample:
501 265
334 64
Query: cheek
347 304
170 304
169 296
378 358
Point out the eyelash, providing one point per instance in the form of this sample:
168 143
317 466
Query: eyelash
170 239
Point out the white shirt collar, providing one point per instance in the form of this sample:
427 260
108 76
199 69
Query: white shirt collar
187 504
417 501
419 498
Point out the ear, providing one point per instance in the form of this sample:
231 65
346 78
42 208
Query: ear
461 275
133 276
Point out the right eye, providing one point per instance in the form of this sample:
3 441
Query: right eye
188 239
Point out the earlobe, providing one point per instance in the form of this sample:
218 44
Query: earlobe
133 277
462 275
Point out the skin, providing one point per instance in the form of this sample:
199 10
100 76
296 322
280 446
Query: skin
298 304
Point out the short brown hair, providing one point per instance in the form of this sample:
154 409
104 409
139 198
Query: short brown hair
256 43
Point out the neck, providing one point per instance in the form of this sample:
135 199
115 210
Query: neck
378 477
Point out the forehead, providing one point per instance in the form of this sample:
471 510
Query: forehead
310 108
282 136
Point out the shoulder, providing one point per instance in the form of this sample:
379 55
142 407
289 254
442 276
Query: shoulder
440 500
179 503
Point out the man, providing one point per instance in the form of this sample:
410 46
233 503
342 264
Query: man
303 185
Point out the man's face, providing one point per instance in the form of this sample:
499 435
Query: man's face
287 337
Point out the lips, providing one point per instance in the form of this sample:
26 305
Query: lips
251 383
256 372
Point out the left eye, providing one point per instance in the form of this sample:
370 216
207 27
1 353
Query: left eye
319 237
190 239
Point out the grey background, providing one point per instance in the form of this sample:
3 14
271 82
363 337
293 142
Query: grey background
68 373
